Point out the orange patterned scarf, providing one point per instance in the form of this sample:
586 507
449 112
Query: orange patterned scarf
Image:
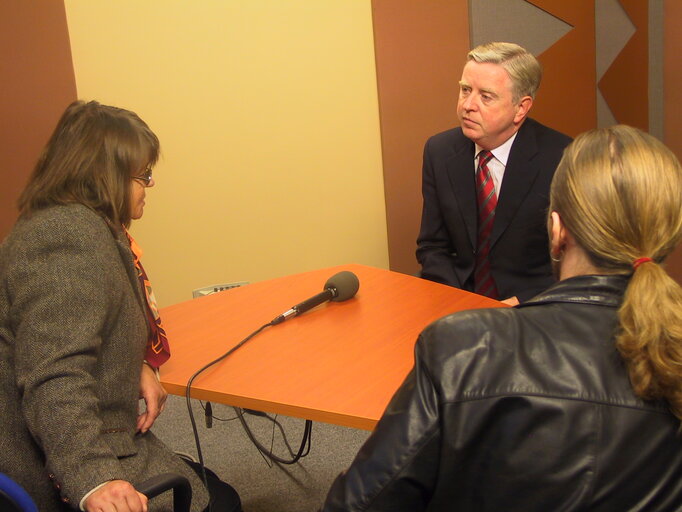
158 348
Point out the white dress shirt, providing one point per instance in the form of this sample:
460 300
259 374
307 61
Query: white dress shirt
498 163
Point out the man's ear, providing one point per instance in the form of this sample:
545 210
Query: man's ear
557 234
523 107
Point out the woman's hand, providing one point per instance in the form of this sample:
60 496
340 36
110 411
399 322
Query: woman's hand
154 397
117 495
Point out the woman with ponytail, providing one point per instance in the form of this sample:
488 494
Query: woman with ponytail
570 401
627 221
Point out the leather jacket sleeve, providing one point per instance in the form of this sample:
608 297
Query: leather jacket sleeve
397 467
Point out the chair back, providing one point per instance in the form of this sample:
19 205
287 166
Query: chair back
13 497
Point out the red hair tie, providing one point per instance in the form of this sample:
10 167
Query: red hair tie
639 261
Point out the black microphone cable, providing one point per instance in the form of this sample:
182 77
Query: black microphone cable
304 448
344 288
188 393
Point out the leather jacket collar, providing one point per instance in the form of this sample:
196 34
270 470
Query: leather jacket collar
605 290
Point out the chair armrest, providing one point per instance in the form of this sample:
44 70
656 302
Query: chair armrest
182 490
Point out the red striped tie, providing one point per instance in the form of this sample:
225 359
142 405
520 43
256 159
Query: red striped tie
487 201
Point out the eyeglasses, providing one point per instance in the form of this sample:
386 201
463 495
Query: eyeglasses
145 178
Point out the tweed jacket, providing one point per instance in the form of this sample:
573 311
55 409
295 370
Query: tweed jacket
73 333
525 409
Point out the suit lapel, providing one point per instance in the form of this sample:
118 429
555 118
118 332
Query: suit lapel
461 173
519 176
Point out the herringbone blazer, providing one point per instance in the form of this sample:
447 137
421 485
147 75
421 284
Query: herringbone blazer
72 339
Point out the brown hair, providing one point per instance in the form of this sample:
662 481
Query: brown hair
619 193
522 67
89 159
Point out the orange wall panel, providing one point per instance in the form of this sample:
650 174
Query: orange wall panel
37 85
625 84
672 92
567 100
420 50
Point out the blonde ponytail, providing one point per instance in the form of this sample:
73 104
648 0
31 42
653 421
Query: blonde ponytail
650 337
619 193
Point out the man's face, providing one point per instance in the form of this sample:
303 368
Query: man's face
486 112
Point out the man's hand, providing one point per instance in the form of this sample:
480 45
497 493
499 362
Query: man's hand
511 301
116 496
154 397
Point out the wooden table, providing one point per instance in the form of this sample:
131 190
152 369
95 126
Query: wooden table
338 363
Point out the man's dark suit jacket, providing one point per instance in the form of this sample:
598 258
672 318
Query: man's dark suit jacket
519 251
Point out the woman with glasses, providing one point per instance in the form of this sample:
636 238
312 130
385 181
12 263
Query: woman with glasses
80 335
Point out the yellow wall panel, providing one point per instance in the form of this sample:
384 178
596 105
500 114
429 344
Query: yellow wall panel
268 120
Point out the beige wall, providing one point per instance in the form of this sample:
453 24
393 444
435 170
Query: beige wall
268 119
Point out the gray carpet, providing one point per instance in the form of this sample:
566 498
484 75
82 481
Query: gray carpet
263 488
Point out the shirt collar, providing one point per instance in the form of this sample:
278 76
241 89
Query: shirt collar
501 153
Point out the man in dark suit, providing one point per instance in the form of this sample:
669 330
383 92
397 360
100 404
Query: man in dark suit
483 223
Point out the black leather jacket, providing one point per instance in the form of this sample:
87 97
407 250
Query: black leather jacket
524 409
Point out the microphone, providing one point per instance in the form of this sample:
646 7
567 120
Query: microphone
339 287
